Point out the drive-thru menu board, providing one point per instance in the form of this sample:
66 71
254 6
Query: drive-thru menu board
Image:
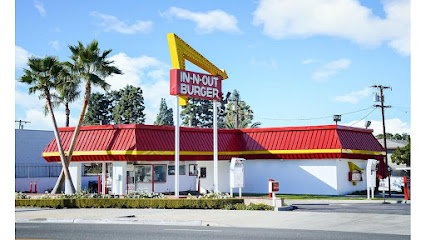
237 172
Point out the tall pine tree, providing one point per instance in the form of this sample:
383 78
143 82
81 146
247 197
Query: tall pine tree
165 115
238 114
98 110
129 107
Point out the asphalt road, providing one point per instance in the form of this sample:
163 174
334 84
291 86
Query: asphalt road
375 208
153 232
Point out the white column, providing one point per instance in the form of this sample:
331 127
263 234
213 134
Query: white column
177 148
119 178
75 171
215 149
103 178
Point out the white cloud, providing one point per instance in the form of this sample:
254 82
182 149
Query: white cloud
148 73
341 18
308 61
112 23
206 22
270 63
331 68
21 57
355 96
394 125
55 45
27 101
39 6
40 121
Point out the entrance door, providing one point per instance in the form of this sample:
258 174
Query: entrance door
131 187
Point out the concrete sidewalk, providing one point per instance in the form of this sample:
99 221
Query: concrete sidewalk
330 221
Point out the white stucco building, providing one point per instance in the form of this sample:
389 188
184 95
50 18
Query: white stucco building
305 160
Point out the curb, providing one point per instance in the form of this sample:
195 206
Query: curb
287 208
307 201
111 221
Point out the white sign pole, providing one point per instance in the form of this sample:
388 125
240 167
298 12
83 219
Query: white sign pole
103 178
240 192
177 148
215 149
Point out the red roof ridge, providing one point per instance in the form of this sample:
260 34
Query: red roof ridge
197 129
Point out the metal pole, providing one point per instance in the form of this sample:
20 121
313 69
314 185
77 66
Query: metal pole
215 149
103 178
177 148
237 118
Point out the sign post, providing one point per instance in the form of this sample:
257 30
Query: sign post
177 148
186 84
274 186
382 185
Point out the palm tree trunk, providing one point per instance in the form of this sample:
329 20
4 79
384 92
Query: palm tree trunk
70 186
60 182
67 115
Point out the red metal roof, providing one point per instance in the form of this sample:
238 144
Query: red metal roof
146 142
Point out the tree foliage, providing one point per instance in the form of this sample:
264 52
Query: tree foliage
396 136
98 110
238 113
124 106
165 114
129 107
198 113
402 155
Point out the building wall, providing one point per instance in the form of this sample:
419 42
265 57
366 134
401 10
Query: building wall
29 145
315 176
295 176
344 185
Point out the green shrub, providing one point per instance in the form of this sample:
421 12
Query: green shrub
129 203
252 206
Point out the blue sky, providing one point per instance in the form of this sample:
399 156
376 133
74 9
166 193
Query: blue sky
289 60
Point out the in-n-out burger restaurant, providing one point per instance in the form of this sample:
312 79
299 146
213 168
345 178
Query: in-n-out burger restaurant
305 160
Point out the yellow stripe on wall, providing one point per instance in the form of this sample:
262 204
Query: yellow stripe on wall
191 153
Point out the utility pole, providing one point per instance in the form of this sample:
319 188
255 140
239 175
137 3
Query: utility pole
382 106
21 126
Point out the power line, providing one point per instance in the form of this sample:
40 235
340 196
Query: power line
364 116
305 119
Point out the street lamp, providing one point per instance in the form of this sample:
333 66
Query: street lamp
367 124
337 118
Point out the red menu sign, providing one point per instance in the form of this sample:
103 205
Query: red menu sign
195 85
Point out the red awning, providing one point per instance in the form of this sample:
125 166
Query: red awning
146 142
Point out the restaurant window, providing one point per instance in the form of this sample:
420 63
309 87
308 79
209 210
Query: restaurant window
159 173
203 172
171 170
193 170
143 173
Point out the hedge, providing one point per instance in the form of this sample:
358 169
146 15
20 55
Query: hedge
129 203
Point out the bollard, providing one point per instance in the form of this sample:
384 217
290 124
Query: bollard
99 184
35 187
31 186
199 182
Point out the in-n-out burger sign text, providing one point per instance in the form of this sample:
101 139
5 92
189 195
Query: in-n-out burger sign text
195 85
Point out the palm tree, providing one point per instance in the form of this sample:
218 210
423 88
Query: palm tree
90 65
68 92
44 75
246 123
